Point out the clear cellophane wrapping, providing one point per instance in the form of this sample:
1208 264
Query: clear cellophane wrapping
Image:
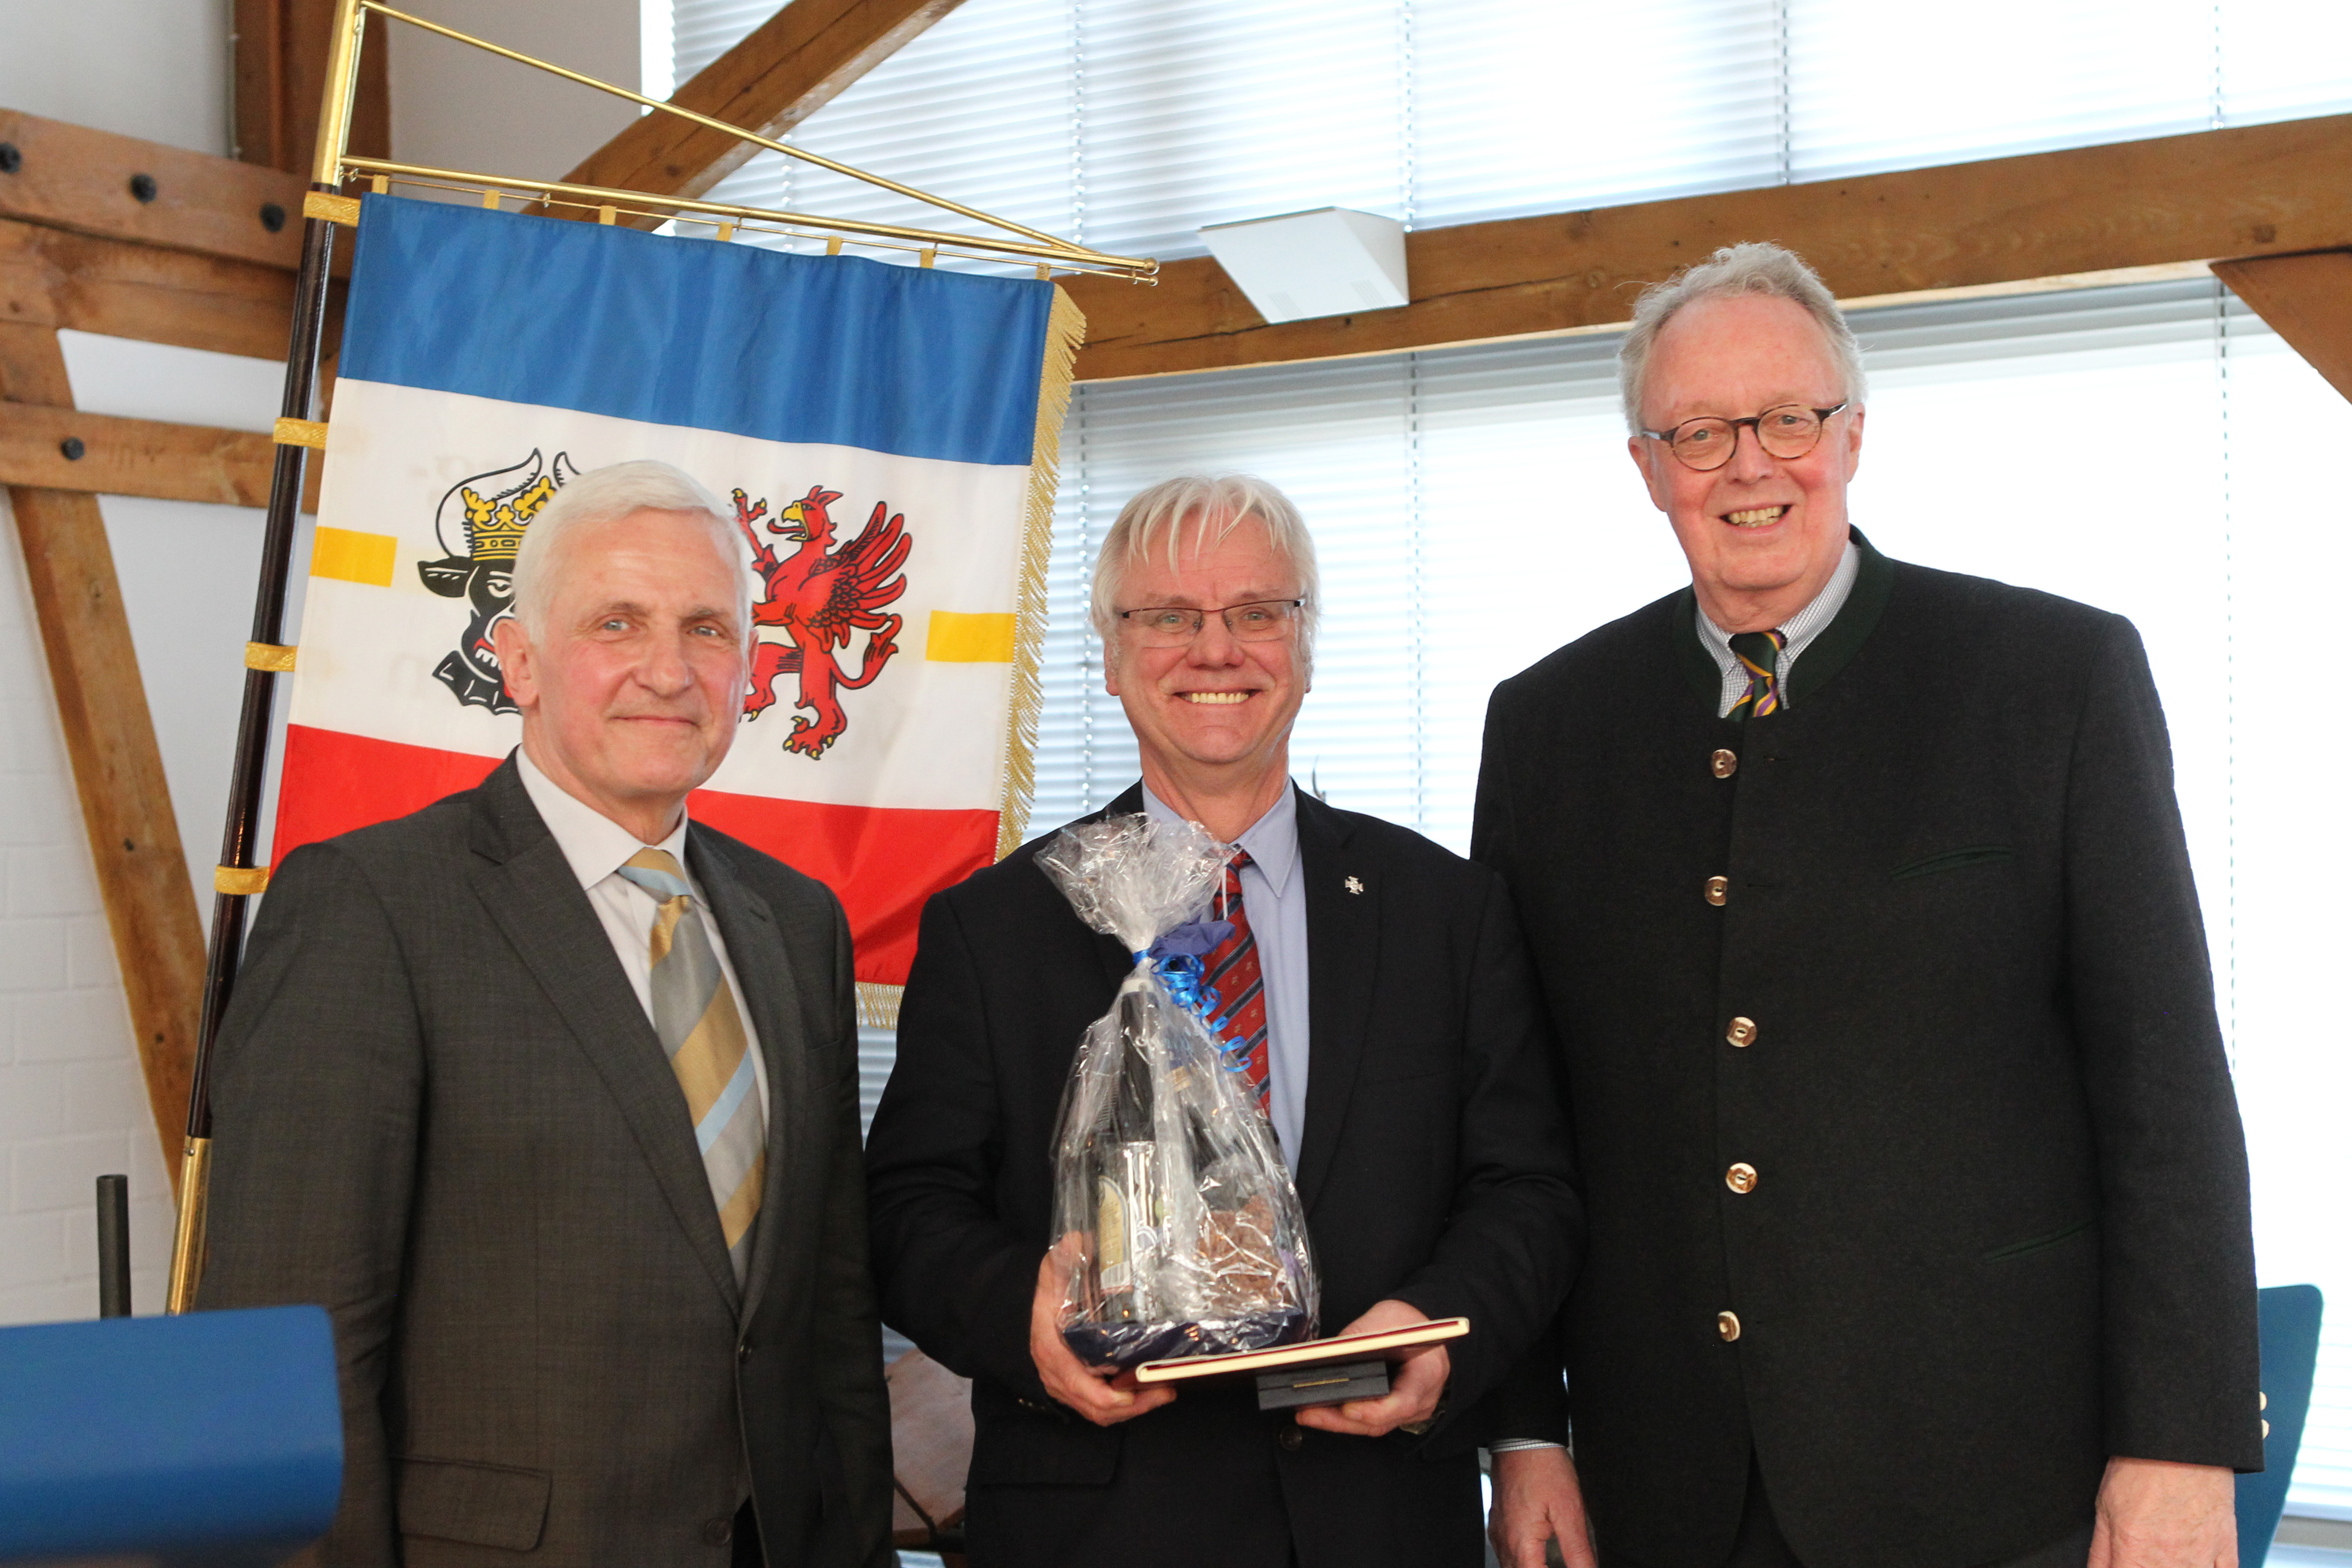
1174 1216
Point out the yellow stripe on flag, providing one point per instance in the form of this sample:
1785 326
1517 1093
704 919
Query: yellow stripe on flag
358 557
960 638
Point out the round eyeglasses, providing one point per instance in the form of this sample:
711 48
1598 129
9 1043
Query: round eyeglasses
1175 625
1707 443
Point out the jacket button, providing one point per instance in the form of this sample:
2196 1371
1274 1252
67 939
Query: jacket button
1742 1032
1726 1324
1725 764
1718 889
1291 1438
1741 1178
742 1352
718 1532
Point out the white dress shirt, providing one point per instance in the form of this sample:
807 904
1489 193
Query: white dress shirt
1273 897
1801 629
596 848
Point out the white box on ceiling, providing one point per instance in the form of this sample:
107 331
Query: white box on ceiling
1328 262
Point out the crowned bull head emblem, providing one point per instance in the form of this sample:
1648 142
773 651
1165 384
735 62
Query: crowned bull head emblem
480 523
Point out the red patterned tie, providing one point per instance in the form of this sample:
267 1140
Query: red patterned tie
1231 968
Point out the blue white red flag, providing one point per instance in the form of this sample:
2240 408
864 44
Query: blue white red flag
885 436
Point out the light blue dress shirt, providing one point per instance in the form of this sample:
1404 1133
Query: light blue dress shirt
1273 896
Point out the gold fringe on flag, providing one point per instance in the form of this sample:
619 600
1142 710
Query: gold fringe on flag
877 1005
1065 331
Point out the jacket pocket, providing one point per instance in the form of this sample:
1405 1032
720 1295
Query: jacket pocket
1953 860
2037 1243
484 1505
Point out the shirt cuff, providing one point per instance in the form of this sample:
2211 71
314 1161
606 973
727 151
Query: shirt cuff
1512 1445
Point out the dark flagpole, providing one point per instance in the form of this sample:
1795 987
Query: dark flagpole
237 878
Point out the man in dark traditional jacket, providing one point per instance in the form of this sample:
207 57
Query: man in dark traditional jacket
1859 896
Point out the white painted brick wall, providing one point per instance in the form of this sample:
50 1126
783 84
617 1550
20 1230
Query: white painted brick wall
73 1104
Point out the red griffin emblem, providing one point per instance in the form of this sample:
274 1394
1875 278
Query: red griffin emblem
819 596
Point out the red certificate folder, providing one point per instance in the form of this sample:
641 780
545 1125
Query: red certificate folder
1317 1372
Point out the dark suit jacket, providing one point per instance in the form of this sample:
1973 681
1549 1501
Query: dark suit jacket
439 1109
1435 1169
1999 1227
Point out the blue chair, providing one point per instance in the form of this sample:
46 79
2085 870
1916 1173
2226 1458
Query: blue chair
2290 1329
214 1439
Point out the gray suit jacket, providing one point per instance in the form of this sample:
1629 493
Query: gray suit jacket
439 1110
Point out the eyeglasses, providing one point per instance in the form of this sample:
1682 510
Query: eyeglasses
1175 625
1792 430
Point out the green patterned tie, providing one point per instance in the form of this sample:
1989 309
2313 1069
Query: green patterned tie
694 1014
1761 652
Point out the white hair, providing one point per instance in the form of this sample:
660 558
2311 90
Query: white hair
1153 519
1757 266
606 495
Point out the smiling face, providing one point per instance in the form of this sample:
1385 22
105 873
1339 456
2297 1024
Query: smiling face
1214 715
632 689
1762 534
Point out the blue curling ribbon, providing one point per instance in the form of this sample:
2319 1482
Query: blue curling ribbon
1177 959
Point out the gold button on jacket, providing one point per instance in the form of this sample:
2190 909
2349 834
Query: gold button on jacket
1741 1178
1742 1032
1725 764
1728 1325
1718 889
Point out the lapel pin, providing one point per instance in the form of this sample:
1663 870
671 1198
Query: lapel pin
1354 885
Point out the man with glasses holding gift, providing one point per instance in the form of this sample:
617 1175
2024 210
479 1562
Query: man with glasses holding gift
1376 988
1859 896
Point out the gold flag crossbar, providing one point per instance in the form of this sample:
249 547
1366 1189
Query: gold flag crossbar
1027 246
729 218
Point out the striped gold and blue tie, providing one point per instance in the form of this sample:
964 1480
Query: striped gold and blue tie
694 1014
1759 653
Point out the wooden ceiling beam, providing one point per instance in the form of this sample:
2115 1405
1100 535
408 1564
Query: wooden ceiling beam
2247 190
786 69
66 449
2307 299
197 268
52 278
88 181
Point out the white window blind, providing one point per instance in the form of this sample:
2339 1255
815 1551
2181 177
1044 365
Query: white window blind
1475 508
1129 124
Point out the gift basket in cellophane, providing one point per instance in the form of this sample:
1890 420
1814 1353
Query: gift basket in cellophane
1174 1216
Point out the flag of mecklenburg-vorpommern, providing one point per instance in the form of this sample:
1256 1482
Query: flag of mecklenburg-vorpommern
884 436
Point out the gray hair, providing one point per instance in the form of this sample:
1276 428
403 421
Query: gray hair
1152 522
1757 266
606 495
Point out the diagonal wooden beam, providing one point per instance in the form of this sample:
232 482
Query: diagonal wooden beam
126 807
2307 299
2044 216
790 66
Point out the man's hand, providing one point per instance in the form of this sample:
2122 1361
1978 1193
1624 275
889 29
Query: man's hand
2154 1514
1103 1395
1537 1500
1415 1383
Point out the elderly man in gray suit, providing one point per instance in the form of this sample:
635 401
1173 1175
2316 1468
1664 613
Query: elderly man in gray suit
551 1098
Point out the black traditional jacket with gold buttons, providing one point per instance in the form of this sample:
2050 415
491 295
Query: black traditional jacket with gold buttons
1909 1153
